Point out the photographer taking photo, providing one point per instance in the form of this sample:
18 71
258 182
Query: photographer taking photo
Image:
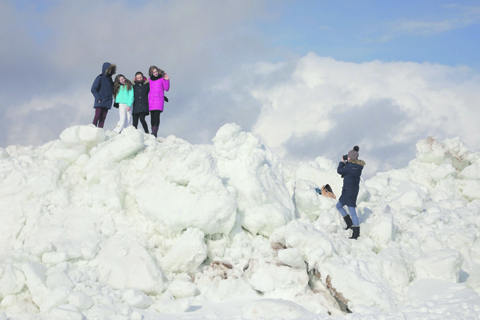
351 169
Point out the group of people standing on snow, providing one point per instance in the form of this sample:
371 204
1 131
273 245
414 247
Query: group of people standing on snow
134 100
147 96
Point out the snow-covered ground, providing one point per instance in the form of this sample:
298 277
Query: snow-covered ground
97 225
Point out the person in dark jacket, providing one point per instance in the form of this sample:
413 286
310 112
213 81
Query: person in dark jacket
141 88
102 90
351 170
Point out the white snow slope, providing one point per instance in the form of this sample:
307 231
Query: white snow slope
104 226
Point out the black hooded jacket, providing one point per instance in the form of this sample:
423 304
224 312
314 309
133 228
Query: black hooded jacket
102 88
351 172
140 96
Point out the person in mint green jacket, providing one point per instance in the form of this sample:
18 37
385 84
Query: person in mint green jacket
123 93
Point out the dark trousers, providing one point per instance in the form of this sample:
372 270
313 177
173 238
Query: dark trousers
140 116
155 120
100 116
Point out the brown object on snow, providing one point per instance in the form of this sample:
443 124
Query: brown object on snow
328 192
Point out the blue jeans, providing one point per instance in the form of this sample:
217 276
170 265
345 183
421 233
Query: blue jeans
353 213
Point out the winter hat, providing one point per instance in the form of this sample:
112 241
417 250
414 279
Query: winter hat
353 154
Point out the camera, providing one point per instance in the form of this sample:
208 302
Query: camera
345 157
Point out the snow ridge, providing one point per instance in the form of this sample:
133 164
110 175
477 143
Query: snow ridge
98 225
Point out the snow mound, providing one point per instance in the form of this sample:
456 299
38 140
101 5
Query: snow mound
183 189
97 225
274 309
263 201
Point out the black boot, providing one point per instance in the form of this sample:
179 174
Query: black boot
154 131
356 232
348 221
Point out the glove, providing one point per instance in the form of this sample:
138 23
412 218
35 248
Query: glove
318 190
165 98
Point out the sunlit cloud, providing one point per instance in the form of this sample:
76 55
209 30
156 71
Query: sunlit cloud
320 106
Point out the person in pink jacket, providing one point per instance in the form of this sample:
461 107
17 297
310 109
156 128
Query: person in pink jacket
159 83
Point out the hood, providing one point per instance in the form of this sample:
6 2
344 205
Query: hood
107 66
144 81
360 162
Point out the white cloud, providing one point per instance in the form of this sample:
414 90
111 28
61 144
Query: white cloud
426 27
43 118
319 106
180 36
457 17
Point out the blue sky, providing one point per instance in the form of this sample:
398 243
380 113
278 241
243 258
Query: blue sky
232 61
358 31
